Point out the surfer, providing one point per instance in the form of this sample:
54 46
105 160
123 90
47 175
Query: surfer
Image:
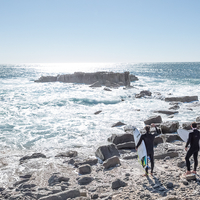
148 139
193 140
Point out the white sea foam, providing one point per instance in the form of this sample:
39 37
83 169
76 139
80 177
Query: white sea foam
54 117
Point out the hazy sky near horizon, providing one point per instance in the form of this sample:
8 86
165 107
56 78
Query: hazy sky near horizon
61 31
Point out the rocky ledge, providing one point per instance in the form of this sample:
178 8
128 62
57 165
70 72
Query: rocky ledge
97 79
113 173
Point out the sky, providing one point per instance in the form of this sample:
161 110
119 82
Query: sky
93 31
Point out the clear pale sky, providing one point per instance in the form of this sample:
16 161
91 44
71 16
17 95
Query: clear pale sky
61 31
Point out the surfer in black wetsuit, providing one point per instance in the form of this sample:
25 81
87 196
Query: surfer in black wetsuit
193 140
148 139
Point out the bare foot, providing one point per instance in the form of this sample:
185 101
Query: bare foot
145 175
193 172
187 173
151 174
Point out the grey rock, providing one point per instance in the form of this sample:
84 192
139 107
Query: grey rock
63 195
153 119
167 112
85 169
182 99
97 112
85 162
118 124
126 145
67 154
121 138
169 127
118 183
111 162
107 151
55 179
34 155
85 180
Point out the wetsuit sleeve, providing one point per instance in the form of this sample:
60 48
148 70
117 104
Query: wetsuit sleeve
188 141
157 131
140 141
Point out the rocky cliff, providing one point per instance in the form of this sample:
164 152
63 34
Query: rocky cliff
103 78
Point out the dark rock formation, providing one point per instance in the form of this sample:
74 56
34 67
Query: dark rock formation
167 112
169 127
153 119
182 99
119 139
98 78
34 155
107 151
143 94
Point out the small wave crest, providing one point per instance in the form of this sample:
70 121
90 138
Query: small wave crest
88 102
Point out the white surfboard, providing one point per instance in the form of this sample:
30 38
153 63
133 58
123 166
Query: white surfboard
184 134
142 152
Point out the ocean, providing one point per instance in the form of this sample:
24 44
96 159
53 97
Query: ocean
56 117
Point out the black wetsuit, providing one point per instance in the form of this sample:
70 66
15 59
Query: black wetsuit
193 140
149 143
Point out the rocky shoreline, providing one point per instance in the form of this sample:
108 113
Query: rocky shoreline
114 173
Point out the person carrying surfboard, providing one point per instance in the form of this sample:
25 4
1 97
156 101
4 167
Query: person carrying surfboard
193 140
148 139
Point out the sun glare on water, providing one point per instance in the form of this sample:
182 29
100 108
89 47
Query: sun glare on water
72 67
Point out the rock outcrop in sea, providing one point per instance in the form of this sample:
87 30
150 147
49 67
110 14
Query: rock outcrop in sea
108 79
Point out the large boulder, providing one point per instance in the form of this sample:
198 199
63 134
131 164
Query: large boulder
111 162
169 126
103 78
118 139
107 151
153 119
143 94
182 99
126 145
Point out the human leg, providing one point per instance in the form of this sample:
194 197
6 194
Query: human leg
187 159
152 162
195 155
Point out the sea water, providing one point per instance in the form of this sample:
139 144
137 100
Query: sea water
54 117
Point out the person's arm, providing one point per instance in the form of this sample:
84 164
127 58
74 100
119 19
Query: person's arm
140 141
188 141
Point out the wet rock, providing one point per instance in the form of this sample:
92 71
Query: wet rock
143 94
96 84
175 107
122 138
67 154
26 176
126 145
111 162
97 112
94 196
107 151
186 125
85 169
118 124
167 112
107 89
169 127
85 180
182 99
158 140
153 119
35 155
118 183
